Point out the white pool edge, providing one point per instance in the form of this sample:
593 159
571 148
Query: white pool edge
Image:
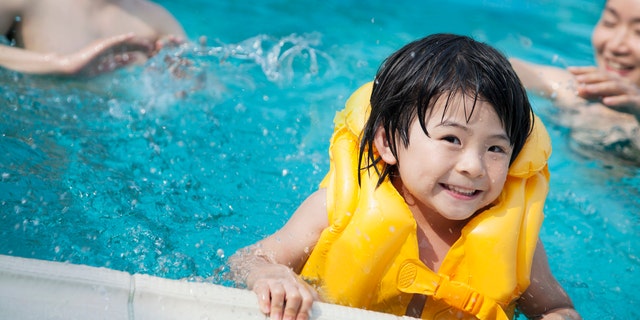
38 289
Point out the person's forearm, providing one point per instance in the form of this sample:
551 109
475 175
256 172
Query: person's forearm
531 76
100 56
244 262
25 61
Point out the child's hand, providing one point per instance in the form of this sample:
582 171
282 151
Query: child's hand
612 90
281 293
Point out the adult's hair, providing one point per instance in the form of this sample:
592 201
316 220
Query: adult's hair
411 80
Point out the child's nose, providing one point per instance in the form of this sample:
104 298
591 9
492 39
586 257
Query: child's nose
471 164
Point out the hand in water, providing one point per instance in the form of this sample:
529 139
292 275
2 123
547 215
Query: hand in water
105 55
611 89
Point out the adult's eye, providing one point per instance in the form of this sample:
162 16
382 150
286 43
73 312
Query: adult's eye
608 24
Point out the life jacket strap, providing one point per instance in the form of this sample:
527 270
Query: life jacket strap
414 277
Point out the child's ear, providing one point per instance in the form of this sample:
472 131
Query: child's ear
382 145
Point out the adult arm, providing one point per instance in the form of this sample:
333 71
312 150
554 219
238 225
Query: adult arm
270 267
166 23
545 298
576 87
169 29
553 83
100 56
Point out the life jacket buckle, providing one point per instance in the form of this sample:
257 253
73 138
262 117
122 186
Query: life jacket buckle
459 295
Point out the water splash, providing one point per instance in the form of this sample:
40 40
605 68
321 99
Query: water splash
279 58
197 73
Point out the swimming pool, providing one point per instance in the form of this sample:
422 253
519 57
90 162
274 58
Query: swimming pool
146 172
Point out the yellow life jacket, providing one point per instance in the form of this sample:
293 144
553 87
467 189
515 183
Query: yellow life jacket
368 257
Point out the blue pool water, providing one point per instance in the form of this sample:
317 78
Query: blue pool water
151 172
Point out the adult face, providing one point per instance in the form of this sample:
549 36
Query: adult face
616 39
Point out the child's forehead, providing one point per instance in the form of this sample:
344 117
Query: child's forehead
455 102
460 108
457 96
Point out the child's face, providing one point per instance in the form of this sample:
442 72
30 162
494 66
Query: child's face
461 168
616 39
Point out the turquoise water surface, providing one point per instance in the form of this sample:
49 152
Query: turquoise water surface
167 173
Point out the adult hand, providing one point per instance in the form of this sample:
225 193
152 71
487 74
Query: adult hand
281 293
612 90
99 56
107 54
167 41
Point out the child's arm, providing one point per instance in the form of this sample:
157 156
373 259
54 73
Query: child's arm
545 298
270 267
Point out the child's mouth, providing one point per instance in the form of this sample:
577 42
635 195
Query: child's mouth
461 191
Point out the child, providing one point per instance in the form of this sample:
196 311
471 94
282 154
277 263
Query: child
431 208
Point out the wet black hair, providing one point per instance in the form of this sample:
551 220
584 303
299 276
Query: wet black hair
412 79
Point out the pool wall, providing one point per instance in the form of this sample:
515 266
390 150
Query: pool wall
38 289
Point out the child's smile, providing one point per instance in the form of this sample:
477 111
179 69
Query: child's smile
461 192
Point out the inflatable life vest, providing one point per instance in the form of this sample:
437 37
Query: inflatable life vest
368 256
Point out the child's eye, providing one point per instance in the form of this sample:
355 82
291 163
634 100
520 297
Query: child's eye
497 149
451 139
